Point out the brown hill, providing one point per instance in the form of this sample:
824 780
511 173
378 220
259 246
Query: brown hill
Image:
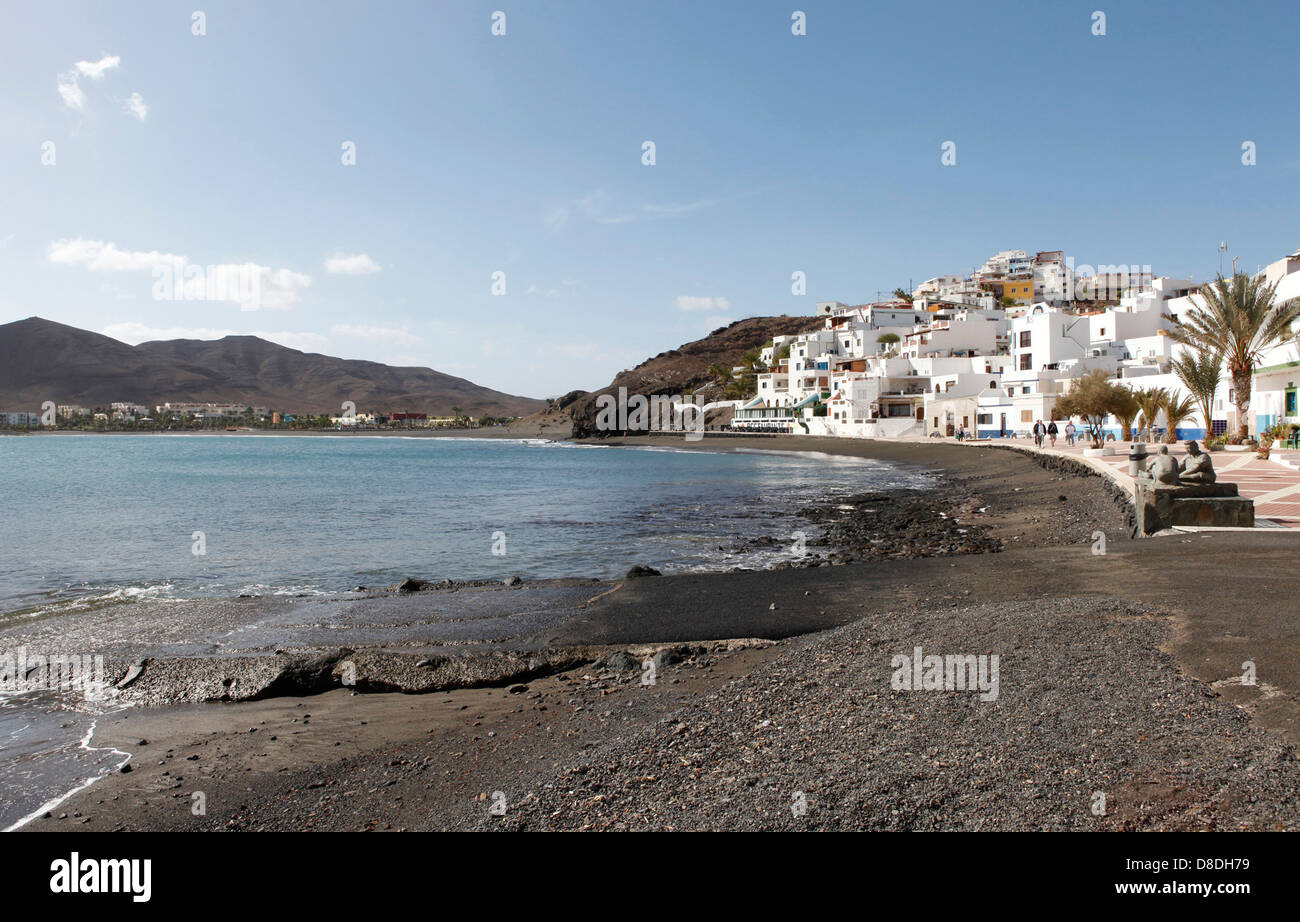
677 371
41 360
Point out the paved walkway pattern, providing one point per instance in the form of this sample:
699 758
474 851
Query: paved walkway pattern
1274 484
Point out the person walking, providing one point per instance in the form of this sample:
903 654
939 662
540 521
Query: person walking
1039 431
1052 432
1070 433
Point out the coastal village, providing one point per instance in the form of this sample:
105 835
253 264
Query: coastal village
987 355
233 416
990 354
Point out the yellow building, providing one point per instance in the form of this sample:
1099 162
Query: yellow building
1020 290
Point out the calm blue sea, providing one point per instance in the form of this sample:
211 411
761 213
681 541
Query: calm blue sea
96 517
92 520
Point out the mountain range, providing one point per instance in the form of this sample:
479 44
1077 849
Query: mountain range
42 360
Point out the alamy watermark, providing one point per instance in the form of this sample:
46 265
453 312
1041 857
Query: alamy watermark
181 281
22 670
656 413
953 672
1105 282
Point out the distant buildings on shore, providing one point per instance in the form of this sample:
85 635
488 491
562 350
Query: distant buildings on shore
991 352
126 414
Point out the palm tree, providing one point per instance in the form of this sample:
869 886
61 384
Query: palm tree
1240 321
1177 409
1149 405
1199 371
1125 410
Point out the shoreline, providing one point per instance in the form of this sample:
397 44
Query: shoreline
677 617
493 432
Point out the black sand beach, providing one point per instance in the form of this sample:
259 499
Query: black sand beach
1120 674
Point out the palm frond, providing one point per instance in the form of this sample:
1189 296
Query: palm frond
1178 409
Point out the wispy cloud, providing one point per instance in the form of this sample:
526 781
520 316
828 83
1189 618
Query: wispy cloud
360 264
595 207
249 285
677 209
599 207
696 303
98 256
566 286
135 105
95 69
70 91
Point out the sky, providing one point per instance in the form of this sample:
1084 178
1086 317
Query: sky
500 221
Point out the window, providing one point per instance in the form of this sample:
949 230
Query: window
1025 336
984 419
1025 361
1026 416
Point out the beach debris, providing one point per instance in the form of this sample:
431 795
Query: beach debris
133 673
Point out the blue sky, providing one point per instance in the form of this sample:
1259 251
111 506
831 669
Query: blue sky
522 154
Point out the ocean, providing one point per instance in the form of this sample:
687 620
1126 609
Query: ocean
104 537
94 518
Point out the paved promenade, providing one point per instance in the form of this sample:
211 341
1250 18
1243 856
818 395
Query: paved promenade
1274 484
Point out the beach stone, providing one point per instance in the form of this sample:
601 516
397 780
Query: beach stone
639 571
512 581
409 585
669 657
621 661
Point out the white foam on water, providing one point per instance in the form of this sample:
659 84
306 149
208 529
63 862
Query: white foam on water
54 802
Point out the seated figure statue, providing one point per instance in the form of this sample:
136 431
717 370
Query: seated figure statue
1164 467
1197 466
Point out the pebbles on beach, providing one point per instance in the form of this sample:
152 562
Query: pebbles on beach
1087 704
